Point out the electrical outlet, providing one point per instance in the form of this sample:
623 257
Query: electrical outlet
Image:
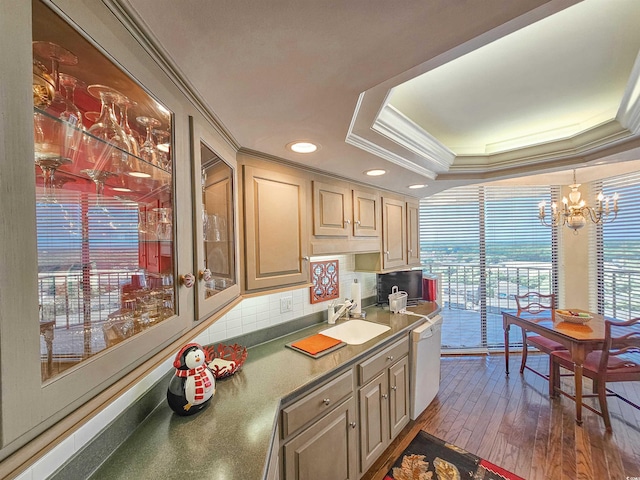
286 304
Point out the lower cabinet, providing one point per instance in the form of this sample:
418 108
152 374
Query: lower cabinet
325 450
384 411
338 432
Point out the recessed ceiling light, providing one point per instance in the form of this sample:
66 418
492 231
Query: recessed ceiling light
138 174
121 189
417 185
375 172
303 147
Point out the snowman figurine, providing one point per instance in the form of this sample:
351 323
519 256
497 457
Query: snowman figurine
194 384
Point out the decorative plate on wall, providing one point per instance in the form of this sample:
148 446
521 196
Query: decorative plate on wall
324 276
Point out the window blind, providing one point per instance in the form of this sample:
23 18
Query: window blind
618 271
487 244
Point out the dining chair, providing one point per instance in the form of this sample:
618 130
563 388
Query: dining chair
618 361
534 302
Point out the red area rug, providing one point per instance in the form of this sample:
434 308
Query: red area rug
429 458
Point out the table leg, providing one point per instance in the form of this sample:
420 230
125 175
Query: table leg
578 361
506 346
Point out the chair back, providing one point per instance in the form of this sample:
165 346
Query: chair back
621 346
535 302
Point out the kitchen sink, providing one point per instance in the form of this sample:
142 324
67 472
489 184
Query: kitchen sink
356 332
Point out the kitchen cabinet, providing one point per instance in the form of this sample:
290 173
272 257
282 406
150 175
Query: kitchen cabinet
413 233
276 232
98 229
346 218
320 432
216 251
327 449
383 399
400 237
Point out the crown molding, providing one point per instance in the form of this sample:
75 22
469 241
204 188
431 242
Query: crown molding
396 126
629 111
375 149
587 142
140 31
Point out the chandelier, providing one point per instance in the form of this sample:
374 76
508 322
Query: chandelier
574 212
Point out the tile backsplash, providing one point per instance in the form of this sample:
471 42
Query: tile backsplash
257 313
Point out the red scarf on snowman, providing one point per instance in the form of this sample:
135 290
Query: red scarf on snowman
202 380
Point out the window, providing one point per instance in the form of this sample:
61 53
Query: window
618 265
487 245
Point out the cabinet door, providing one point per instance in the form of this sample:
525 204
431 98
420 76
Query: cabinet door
276 232
215 224
326 450
366 207
413 233
399 396
394 231
374 420
331 210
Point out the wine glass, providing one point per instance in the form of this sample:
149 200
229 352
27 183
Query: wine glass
58 56
148 150
55 144
164 224
71 112
99 177
163 146
108 144
124 104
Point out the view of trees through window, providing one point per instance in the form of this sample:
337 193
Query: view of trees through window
486 245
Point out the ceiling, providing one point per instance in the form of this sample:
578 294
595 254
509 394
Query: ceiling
436 92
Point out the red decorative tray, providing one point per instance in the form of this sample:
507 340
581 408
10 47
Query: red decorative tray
219 356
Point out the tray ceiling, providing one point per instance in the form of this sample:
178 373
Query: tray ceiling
438 92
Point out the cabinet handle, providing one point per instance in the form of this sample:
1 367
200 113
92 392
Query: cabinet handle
385 396
390 358
411 250
386 253
306 259
326 401
347 222
205 275
394 388
358 222
188 280
353 424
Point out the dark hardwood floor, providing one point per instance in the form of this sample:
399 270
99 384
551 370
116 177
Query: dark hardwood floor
512 422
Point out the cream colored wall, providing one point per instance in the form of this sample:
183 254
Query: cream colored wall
575 261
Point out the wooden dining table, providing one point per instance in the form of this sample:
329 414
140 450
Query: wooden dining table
579 339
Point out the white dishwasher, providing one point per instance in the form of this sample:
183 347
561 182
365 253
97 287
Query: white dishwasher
425 359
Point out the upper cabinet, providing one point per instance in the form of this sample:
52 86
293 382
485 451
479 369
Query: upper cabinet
100 241
400 237
346 218
276 232
214 203
104 199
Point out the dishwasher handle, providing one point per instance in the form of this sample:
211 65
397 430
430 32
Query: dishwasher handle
426 330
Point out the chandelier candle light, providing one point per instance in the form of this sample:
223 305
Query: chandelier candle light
575 214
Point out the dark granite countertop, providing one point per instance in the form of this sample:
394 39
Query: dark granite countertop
231 438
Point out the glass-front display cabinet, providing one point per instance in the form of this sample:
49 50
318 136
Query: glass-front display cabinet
216 254
103 158
105 199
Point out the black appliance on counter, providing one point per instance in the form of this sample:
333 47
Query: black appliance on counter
409 281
